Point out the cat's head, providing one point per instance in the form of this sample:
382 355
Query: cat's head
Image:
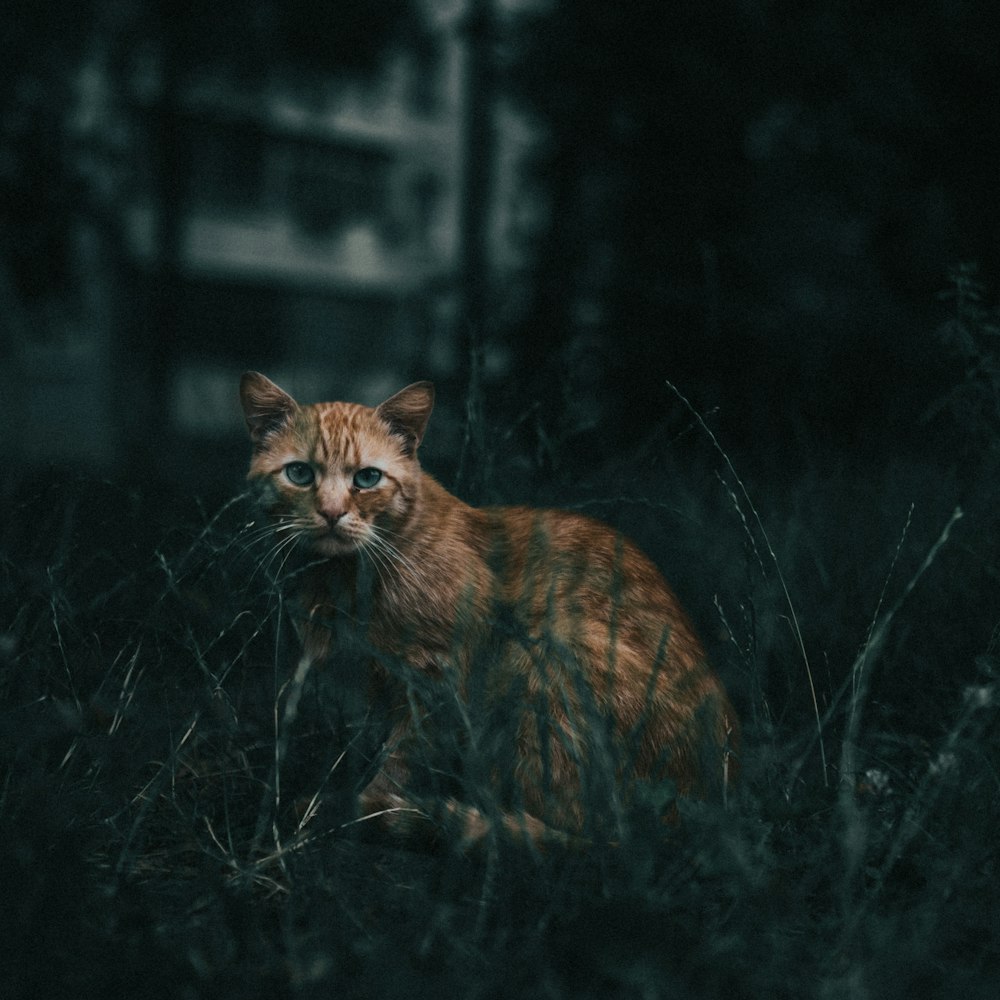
339 476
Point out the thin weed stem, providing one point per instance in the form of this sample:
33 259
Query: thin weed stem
793 616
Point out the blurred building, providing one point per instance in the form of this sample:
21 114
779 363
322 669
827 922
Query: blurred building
313 234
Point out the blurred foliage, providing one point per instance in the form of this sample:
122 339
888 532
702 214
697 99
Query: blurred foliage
757 200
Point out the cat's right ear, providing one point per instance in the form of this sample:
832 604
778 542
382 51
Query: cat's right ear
266 407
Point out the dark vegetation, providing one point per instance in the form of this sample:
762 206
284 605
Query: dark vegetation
176 802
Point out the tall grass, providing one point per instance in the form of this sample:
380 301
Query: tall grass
177 787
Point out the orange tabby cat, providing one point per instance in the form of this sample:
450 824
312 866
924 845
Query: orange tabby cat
542 643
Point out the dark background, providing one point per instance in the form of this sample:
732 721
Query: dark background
760 202
723 275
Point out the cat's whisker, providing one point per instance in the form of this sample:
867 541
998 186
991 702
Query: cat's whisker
259 559
376 545
268 529
378 533
252 543
283 545
384 531
378 562
395 556
288 542
261 563
254 531
243 549
383 566
290 549
275 575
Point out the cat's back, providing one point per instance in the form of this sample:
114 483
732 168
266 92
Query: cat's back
581 564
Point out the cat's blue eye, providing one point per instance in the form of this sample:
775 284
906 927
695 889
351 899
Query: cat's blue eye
299 473
365 479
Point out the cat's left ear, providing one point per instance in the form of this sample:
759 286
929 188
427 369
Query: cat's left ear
266 407
408 411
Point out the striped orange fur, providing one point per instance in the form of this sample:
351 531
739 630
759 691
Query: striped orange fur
547 644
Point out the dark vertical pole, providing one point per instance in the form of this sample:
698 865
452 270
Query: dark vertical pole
478 167
476 202
555 276
170 179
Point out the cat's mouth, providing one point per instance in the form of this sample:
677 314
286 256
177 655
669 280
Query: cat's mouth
335 542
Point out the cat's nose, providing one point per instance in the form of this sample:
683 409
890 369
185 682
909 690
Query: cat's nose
332 514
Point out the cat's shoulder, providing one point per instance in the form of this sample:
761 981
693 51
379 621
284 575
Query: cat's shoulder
556 526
